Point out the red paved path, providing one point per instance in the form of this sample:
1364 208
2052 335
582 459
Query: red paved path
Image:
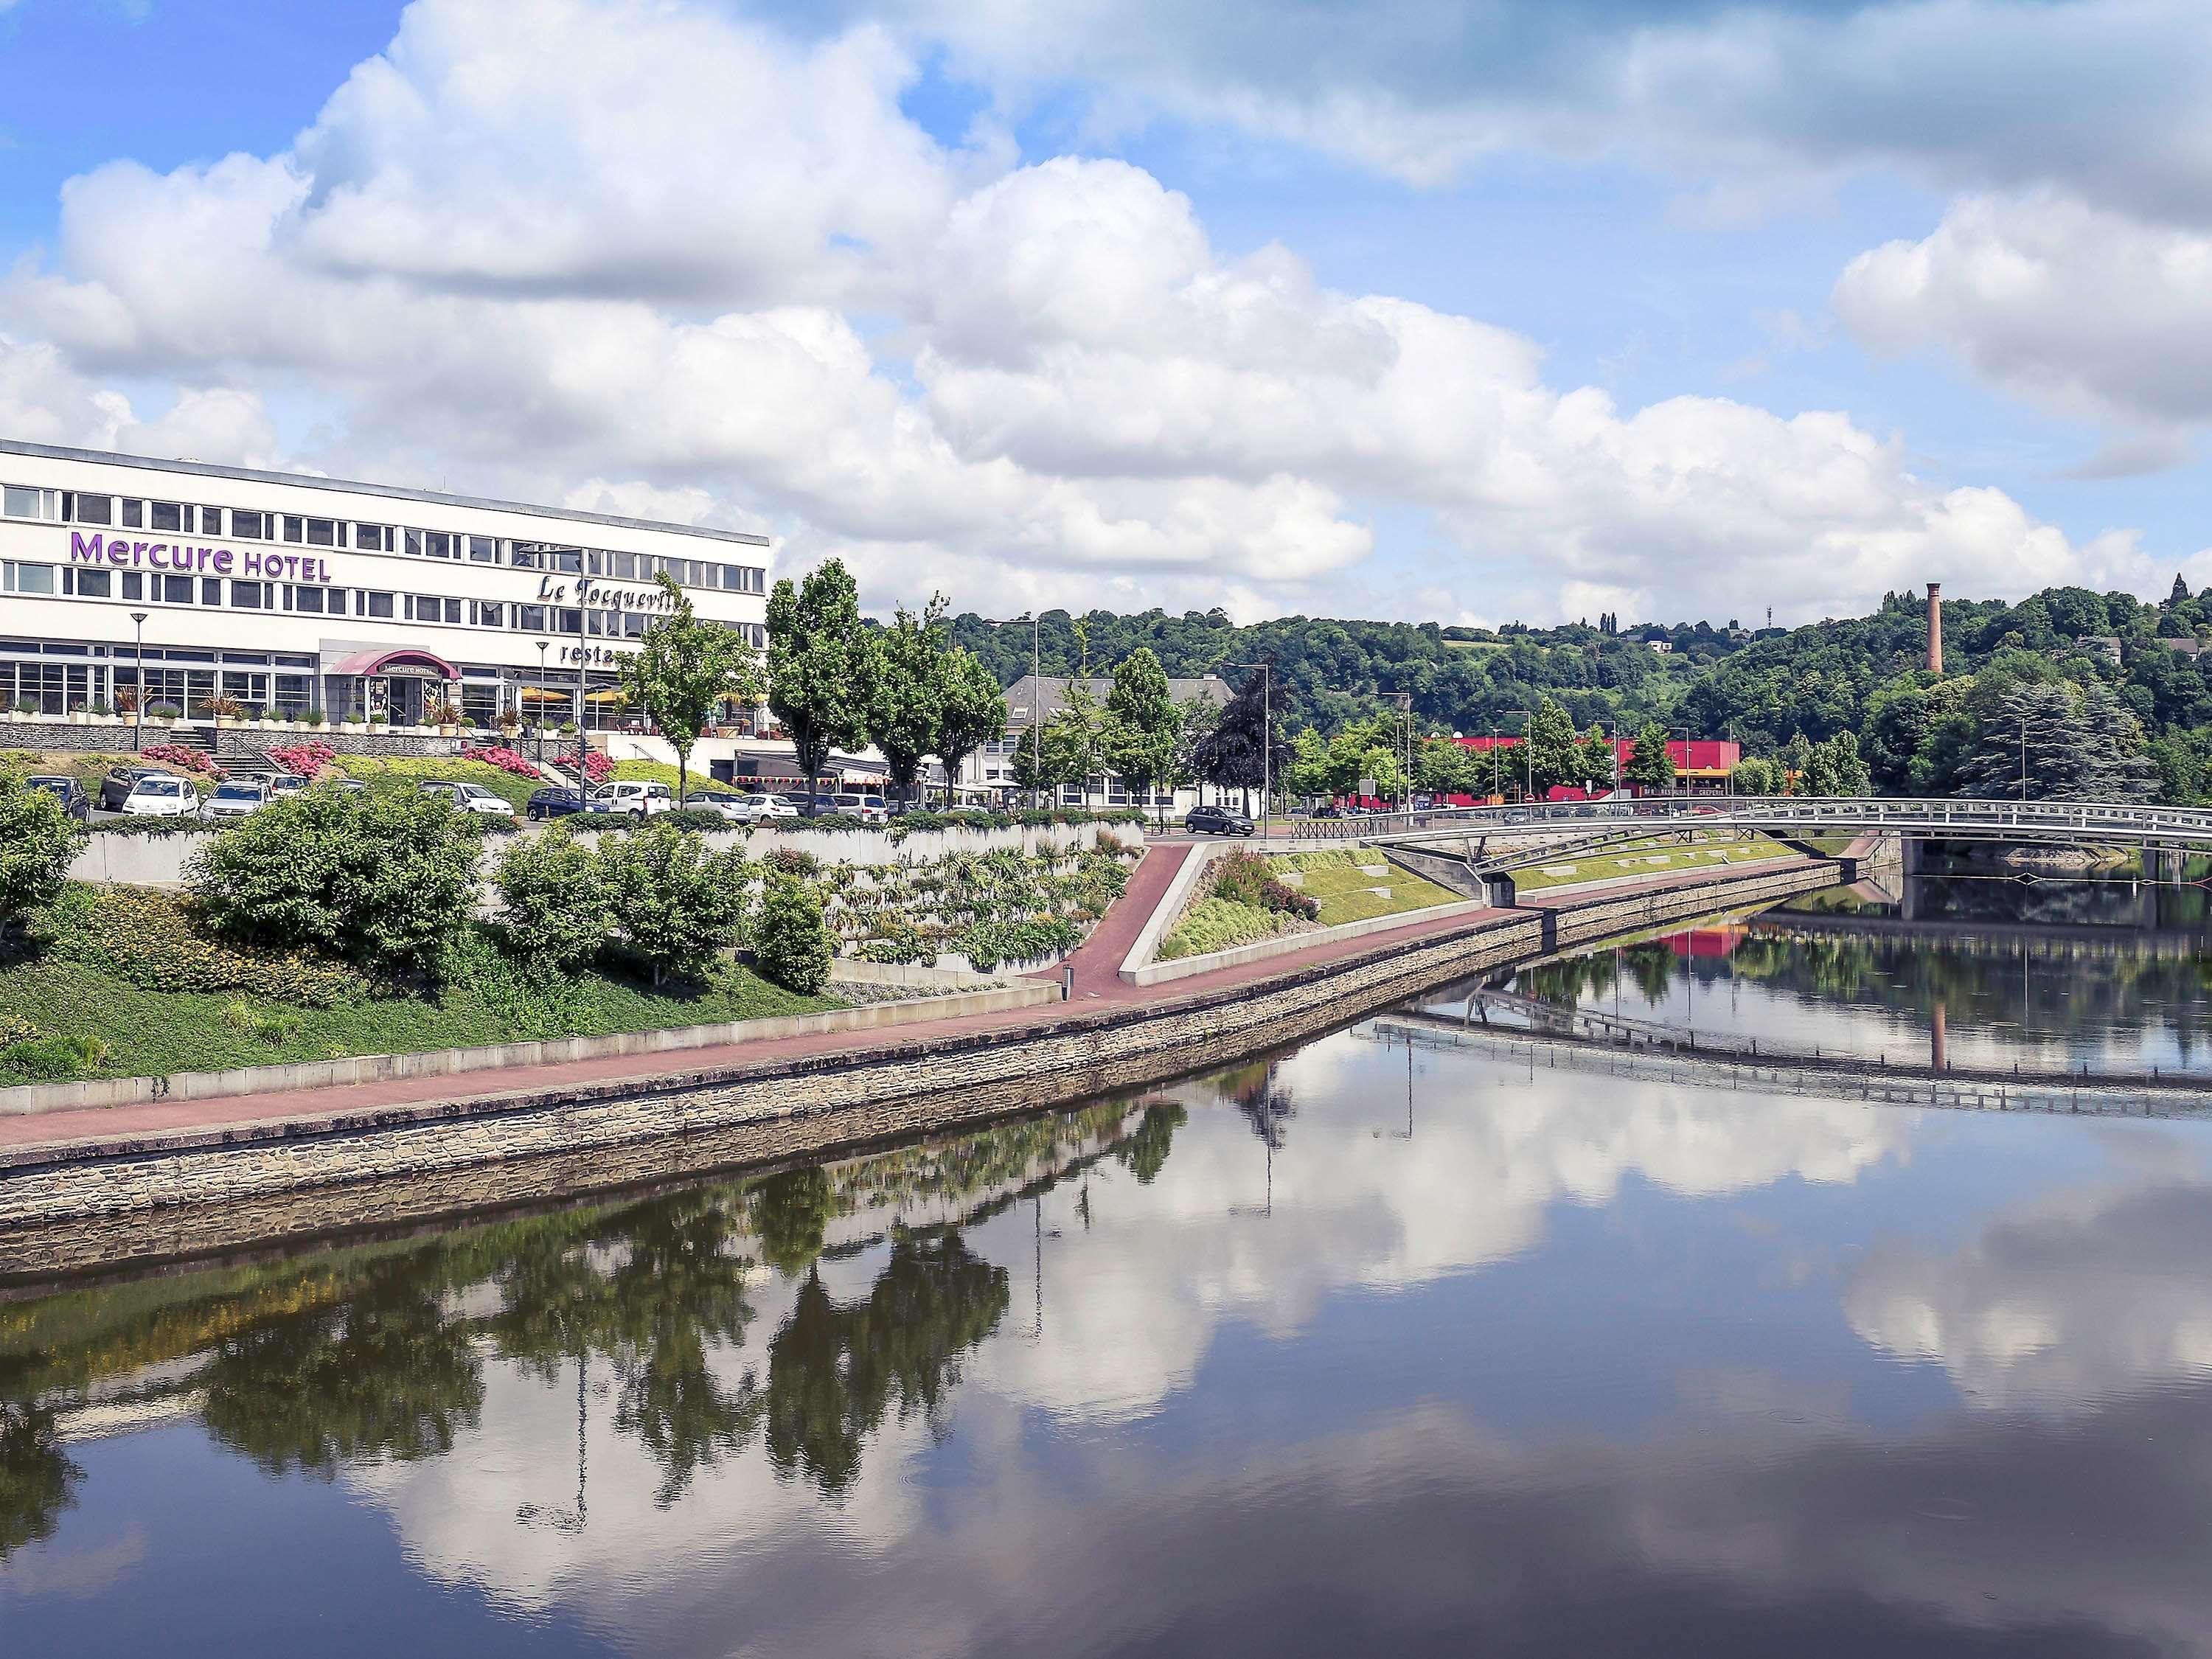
1097 964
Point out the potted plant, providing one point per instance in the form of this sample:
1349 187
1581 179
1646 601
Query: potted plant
316 718
225 710
76 715
379 718
163 714
100 711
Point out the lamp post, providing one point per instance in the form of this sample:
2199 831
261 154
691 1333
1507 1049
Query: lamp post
138 707
540 721
1035 620
1267 734
1680 780
1528 761
1405 701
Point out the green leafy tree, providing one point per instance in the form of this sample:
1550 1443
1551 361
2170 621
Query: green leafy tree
1553 757
1309 773
1036 762
819 667
553 900
674 902
1753 776
2032 745
38 839
1444 768
681 672
1142 726
905 691
1650 771
386 877
2120 768
1074 736
1598 760
971 711
1834 769
790 938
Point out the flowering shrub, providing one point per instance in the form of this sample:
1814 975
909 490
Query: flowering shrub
598 768
175 754
506 759
309 760
1244 878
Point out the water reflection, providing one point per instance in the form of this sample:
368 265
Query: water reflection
1362 1349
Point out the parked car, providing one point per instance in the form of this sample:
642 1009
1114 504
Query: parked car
869 809
235 799
557 801
286 784
160 795
759 809
119 782
469 797
637 796
730 806
74 800
1217 821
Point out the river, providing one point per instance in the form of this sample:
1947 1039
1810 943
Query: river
1376 1347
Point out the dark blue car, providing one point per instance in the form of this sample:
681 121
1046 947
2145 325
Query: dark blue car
72 794
556 802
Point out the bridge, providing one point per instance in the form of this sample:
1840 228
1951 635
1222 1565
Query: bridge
1488 843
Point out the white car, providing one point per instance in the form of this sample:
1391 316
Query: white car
759 809
231 800
469 797
156 796
637 796
869 809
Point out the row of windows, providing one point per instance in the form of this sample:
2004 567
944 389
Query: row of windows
184 518
301 599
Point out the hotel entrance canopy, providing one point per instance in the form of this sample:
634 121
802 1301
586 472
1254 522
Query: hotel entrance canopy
407 662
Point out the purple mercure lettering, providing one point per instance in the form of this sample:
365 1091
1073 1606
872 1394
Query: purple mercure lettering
87 551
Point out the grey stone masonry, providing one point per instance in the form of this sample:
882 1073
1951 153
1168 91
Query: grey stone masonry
189 1191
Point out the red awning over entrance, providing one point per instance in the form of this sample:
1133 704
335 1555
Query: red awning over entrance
406 663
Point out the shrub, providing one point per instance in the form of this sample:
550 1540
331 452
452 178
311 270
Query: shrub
274 1026
701 818
1217 924
55 1059
165 711
14 1029
675 901
794 862
553 895
507 760
192 762
315 717
1244 878
598 768
987 944
309 760
898 941
38 839
162 942
791 939
381 878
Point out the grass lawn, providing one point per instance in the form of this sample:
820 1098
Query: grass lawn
1348 893
512 786
1661 855
153 1033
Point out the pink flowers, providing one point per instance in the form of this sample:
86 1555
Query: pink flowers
506 759
598 768
308 759
172 754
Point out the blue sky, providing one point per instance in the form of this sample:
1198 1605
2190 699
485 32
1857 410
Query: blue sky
1449 312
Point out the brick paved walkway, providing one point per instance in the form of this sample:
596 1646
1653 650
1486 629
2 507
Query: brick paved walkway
1096 963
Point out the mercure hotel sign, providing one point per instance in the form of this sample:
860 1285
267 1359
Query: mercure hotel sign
266 563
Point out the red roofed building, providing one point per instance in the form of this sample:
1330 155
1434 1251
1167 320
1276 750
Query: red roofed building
1701 764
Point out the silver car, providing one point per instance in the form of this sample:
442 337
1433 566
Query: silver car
231 800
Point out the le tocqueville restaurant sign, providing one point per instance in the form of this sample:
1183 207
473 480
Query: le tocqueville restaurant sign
213 561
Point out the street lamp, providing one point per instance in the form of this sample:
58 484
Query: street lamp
1680 780
1036 698
138 707
1405 701
1528 760
1267 732
540 721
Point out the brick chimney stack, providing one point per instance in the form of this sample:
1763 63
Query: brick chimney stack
1935 628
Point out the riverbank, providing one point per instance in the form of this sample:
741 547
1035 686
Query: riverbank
79 1188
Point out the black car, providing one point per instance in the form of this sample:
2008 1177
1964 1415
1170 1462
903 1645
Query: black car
1217 821
115 787
555 803
75 801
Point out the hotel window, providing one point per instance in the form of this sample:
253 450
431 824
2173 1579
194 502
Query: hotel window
94 509
250 596
23 503
134 585
211 590
211 521
29 578
482 549
249 526
134 515
487 613
373 605
93 584
321 532
430 608
624 565
174 589
438 543
372 538
163 515
530 618
568 622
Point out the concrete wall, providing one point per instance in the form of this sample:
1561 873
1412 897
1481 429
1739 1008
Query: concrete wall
151 1196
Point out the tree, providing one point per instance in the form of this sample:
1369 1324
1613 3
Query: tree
675 902
682 671
2181 591
1245 746
1599 761
819 667
791 940
38 839
971 711
1834 769
2120 765
1552 758
1142 726
553 897
1308 773
1650 770
905 691
1073 736
2033 746
1444 768
1037 763
791 1212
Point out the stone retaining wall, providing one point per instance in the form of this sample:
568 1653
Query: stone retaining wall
133 1199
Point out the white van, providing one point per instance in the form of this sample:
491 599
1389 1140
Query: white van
635 796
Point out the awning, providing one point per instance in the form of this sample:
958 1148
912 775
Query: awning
408 663
610 695
536 694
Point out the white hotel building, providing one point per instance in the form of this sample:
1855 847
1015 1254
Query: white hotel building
291 594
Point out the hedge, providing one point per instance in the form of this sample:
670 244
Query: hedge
162 942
